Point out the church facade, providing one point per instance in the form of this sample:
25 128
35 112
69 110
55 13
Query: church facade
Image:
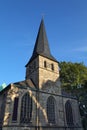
37 103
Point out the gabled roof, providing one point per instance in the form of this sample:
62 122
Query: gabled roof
26 84
41 45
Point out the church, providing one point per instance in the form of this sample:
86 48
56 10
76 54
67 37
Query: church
37 103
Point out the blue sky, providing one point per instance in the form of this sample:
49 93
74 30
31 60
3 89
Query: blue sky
66 27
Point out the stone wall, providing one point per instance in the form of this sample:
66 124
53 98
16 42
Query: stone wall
39 111
3 96
40 74
32 71
39 128
46 73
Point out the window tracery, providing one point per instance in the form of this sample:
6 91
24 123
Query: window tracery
51 110
15 109
69 114
26 109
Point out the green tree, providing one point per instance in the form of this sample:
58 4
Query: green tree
73 77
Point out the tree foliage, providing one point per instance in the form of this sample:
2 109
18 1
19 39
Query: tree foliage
73 77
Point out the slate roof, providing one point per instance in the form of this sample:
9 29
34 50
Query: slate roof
41 45
25 84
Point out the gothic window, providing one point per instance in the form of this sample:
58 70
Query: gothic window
52 66
15 109
2 109
45 64
26 109
51 109
69 114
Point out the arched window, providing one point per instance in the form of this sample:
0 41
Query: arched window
52 67
69 114
45 64
15 109
26 109
51 109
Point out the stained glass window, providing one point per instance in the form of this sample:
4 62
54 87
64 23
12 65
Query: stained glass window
69 114
51 110
15 109
26 109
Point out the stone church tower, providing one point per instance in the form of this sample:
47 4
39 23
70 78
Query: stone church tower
37 103
42 66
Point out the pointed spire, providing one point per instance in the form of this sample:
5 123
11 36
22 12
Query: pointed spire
41 45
